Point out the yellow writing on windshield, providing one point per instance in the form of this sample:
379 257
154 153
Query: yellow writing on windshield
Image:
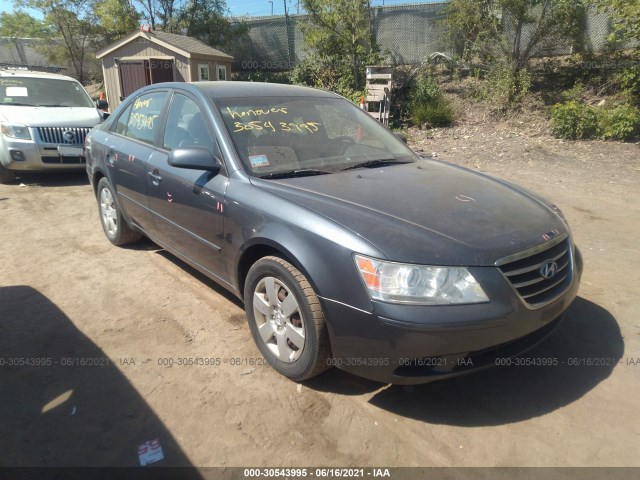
142 103
258 125
140 121
257 112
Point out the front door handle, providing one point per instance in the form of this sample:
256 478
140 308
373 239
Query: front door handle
110 158
155 178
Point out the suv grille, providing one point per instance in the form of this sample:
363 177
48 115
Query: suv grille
525 271
63 135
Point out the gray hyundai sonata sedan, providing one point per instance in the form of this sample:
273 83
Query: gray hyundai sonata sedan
346 247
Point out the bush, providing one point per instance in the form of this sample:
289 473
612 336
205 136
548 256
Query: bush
428 105
574 121
621 122
574 93
436 114
506 86
426 90
328 73
629 81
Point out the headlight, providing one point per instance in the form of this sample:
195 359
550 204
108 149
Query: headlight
419 284
15 131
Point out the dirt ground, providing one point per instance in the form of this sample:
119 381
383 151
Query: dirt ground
101 319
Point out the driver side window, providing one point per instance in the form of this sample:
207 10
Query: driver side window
186 126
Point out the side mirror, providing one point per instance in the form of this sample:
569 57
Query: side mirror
102 104
400 136
194 158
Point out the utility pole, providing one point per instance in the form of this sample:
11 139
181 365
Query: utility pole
271 2
290 35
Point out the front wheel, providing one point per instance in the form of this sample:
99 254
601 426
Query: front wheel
286 319
113 223
6 175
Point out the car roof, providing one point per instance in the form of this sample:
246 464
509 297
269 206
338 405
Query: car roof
33 74
233 89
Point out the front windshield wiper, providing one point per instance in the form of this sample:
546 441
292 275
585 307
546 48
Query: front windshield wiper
17 104
53 105
374 163
303 172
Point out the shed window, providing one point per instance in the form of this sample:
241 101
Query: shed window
203 70
222 72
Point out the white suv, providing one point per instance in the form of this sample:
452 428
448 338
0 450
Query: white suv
44 119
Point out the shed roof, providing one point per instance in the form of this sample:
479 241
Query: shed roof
187 46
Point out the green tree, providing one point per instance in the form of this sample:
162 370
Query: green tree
116 18
168 12
22 25
204 20
626 16
75 23
149 11
467 23
511 30
337 30
504 35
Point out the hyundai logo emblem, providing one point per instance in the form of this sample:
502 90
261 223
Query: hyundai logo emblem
69 136
549 270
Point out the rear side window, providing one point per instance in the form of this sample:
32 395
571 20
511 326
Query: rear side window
144 117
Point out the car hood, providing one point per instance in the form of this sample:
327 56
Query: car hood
50 116
427 212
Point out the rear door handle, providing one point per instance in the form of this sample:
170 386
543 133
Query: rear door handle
155 178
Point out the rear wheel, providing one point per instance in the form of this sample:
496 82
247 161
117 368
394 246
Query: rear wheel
113 223
6 175
286 319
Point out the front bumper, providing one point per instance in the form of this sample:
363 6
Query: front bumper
37 157
406 345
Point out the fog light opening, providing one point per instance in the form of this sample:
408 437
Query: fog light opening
17 156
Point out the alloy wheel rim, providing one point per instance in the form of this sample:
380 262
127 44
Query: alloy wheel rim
279 319
108 212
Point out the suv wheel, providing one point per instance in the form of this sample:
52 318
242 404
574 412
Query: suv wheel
113 223
6 175
286 319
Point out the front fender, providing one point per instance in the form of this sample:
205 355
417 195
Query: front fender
318 247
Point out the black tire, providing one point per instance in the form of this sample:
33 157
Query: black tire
6 176
114 225
313 357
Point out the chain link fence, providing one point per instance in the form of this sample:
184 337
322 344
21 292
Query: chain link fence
407 34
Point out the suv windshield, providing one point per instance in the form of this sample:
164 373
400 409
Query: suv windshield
295 136
42 92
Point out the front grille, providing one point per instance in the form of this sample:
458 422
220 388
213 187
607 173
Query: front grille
63 160
524 271
426 366
75 135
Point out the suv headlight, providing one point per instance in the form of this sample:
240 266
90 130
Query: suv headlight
15 131
419 284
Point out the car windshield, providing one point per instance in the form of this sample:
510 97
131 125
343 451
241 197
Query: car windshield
42 92
278 137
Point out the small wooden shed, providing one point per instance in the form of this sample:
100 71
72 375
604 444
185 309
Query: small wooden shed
143 58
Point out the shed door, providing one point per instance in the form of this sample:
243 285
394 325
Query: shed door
161 70
132 77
